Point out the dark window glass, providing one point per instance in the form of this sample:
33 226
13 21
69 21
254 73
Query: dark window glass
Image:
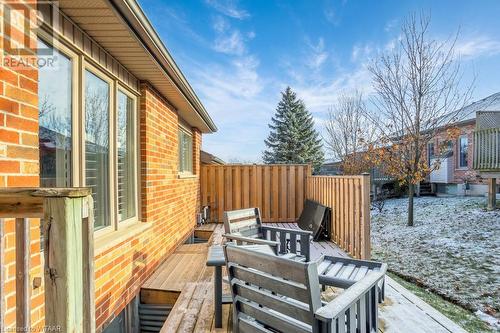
55 105
430 153
463 145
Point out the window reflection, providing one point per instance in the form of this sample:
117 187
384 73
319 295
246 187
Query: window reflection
55 105
126 154
97 146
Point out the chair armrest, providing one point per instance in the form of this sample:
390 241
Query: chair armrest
291 231
251 240
344 301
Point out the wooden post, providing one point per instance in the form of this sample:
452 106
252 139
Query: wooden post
68 223
365 217
492 193
23 298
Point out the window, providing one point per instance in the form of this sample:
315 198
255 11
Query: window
430 152
462 153
127 321
92 144
55 131
185 151
97 146
446 148
126 147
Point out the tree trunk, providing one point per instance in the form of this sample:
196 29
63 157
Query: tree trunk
411 194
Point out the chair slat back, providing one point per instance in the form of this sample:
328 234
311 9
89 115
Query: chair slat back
243 222
273 292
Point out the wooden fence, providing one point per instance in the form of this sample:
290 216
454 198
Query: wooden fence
280 191
349 199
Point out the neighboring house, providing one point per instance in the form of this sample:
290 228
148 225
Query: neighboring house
207 158
330 168
456 174
107 108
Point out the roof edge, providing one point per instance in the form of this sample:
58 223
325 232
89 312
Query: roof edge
133 14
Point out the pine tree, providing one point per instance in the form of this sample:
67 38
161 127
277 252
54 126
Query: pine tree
293 138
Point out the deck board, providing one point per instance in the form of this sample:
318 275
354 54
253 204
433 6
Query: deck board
185 272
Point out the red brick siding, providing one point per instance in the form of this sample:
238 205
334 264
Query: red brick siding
167 202
19 153
458 173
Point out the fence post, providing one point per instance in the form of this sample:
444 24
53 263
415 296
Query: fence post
492 191
68 266
365 247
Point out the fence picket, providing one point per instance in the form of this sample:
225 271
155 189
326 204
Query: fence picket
280 191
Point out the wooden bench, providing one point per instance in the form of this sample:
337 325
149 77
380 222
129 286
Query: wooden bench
343 272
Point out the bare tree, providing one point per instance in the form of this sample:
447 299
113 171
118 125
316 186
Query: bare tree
419 90
348 132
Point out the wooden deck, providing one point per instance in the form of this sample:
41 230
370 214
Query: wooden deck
185 274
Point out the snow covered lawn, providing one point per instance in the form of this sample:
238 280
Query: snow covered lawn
454 247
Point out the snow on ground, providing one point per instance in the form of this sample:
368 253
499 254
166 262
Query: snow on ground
453 248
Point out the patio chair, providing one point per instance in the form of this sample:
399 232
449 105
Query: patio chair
274 294
245 226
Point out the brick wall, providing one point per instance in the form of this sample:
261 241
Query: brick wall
168 203
458 173
19 144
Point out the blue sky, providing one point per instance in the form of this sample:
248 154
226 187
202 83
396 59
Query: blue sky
239 55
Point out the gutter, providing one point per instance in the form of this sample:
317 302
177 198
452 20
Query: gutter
135 18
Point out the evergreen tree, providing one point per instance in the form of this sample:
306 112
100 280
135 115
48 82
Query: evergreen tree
293 138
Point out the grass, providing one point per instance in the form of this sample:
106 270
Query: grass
467 320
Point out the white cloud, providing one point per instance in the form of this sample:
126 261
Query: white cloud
361 52
228 8
331 16
318 55
390 25
320 95
478 47
241 103
231 43
220 24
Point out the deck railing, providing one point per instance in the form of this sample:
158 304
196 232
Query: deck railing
280 191
487 149
66 221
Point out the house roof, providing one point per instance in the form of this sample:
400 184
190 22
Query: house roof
207 158
490 103
122 28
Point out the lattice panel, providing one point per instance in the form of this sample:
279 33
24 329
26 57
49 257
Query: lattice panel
487 120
